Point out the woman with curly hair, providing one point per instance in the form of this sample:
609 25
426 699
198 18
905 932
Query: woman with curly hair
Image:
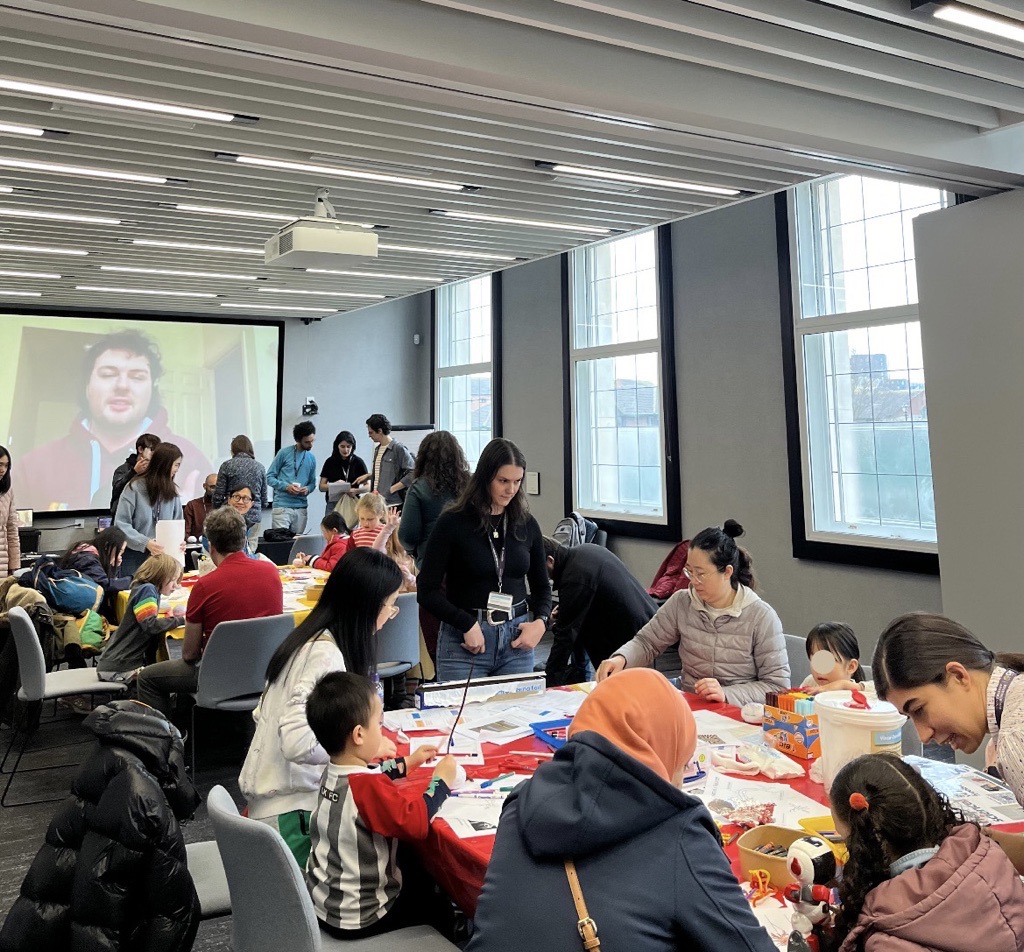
918 876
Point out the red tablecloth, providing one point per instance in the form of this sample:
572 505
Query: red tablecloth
459 866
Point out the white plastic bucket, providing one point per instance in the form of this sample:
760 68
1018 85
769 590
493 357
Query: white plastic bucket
847 733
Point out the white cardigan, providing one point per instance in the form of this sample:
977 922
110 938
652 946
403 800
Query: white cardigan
284 765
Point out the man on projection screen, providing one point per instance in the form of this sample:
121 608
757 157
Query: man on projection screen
120 399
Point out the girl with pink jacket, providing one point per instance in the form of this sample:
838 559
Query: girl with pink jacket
918 877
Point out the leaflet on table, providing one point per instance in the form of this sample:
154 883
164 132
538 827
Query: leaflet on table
469 817
410 721
501 725
980 797
723 794
714 730
466 750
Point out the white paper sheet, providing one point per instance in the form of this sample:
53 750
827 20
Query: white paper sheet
170 533
337 489
981 798
776 917
469 816
410 721
714 730
466 750
790 806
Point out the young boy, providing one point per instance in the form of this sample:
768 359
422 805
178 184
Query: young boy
352 872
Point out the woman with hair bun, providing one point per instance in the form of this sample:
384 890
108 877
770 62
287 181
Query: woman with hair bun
731 643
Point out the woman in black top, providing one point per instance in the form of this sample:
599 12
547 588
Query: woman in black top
484 548
342 464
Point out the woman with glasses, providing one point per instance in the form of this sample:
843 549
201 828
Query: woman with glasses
243 472
731 643
281 774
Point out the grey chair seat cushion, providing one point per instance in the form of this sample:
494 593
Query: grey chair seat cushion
76 681
204 863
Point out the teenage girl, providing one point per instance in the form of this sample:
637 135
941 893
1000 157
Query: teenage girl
917 877
834 654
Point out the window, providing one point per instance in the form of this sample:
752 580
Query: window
617 389
860 376
464 363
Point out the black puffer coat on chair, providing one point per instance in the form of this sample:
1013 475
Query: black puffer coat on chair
112 875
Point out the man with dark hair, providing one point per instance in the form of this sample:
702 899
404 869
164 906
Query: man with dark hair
136 465
240 588
599 602
391 472
120 399
292 476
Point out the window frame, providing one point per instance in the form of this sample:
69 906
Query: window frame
810 543
670 528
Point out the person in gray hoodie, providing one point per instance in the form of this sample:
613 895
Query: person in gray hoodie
648 857
731 644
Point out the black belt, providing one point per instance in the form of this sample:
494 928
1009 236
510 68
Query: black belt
482 614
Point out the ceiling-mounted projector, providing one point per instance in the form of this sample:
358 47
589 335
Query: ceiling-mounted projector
317 242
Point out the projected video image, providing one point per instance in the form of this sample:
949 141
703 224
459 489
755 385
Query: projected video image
81 390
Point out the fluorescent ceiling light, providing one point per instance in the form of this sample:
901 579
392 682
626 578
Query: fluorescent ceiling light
648 180
528 222
447 252
263 216
41 249
106 290
12 211
6 189
79 170
962 16
28 274
376 274
353 294
177 274
15 130
280 307
197 246
5 293
335 172
123 102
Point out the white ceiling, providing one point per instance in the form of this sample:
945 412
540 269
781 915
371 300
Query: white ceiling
750 94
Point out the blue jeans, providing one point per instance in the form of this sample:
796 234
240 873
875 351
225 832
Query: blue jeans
498 656
285 517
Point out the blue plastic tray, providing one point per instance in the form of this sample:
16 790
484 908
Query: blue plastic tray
542 728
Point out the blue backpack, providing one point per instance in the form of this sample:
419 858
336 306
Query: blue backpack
65 590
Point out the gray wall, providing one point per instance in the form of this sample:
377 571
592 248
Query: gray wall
972 288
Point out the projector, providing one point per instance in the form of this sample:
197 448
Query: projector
318 243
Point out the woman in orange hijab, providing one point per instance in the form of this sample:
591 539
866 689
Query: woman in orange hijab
650 864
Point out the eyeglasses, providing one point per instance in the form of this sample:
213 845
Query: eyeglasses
238 497
694 576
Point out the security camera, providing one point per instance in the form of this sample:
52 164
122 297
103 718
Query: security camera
309 408
311 320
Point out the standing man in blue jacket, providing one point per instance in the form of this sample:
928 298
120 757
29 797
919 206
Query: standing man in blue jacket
293 478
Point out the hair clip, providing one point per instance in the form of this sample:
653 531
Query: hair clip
858 802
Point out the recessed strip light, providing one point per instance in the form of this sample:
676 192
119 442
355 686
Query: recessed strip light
31 166
351 294
12 211
15 130
197 246
123 102
962 16
335 172
376 274
41 249
447 252
262 216
5 293
29 274
280 307
6 189
649 180
528 222
124 269
105 290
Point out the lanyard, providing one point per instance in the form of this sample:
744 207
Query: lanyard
1000 699
499 566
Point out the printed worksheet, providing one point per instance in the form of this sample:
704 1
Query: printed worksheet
980 797
723 793
470 817
716 730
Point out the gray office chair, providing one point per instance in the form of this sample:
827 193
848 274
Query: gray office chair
799 664
398 642
208 876
310 544
38 686
234 667
260 865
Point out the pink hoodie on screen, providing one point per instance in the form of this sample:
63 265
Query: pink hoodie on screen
966 897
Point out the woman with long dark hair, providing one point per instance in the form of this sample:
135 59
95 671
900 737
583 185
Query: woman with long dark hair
281 774
731 644
100 559
145 501
10 545
342 465
484 548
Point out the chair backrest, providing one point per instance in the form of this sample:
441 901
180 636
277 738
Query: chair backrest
270 905
31 664
310 544
398 642
236 657
799 664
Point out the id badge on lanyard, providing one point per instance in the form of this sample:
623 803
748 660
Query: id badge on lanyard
499 605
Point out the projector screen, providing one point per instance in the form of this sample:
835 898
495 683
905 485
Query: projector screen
76 392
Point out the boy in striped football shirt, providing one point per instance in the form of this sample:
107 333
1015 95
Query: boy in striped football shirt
352 872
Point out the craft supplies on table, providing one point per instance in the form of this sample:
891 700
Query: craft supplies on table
790 724
765 847
553 733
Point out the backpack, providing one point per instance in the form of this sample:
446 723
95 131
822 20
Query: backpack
278 535
65 590
571 531
670 578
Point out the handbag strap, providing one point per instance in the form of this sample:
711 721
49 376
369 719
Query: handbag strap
586 926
